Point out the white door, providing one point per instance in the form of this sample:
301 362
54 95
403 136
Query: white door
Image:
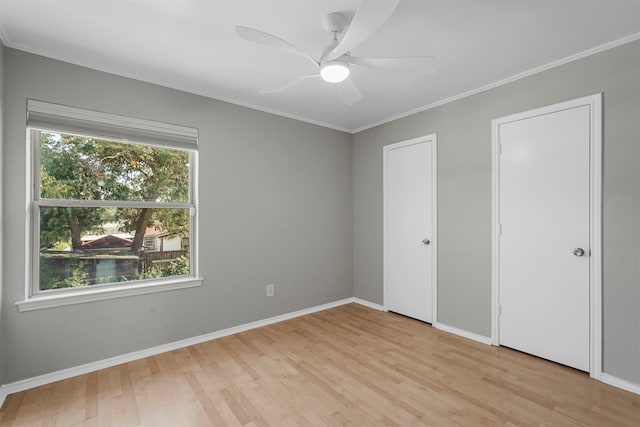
409 199
544 233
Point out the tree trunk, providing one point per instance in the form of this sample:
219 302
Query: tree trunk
76 228
141 226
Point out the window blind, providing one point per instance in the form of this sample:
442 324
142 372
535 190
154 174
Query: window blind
61 118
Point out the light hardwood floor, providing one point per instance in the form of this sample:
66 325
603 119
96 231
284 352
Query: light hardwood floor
346 366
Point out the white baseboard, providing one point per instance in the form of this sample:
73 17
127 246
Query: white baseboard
369 304
620 383
63 374
461 332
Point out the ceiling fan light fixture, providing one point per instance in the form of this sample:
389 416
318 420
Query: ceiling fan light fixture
334 71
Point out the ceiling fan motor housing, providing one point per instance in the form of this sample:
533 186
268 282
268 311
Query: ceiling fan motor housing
335 22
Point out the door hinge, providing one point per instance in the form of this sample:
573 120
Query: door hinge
499 309
499 229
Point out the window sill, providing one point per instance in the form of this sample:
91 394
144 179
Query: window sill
89 295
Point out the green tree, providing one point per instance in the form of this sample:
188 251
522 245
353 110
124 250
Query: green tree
66 173
149 174
81 168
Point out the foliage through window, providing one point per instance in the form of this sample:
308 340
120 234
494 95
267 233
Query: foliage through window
108 212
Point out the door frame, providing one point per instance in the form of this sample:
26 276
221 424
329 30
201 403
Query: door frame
595 221
434 217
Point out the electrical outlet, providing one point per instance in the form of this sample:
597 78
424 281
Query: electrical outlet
270 290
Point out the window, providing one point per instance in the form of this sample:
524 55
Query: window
110 196
149 242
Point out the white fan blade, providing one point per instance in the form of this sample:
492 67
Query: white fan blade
369 17
282 86
412 64
349 93
266 39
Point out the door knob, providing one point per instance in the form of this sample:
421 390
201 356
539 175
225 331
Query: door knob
426 241
578 252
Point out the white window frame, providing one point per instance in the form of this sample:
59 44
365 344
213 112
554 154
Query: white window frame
44 116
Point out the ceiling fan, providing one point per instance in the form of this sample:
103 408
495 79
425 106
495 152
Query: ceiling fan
335 60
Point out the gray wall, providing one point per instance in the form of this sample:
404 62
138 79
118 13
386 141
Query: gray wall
464 195
275 207
1 202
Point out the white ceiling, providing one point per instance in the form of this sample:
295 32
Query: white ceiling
191 45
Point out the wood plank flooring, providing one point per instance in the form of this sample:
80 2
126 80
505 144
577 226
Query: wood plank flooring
346 366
